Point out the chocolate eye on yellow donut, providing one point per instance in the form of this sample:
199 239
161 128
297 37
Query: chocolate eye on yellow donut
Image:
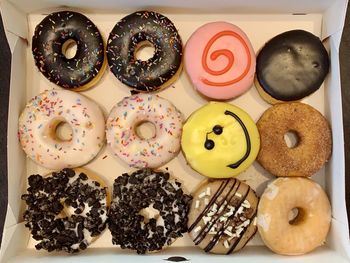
220 140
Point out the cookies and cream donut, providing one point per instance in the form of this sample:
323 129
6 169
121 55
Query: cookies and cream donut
126 143
148 211
66 210
220 60
139 29
38 123
291 66
284 232
222 216
314 143
220 140
52 37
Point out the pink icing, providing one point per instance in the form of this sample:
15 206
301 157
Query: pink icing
220 60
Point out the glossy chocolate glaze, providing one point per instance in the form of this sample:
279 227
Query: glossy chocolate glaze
292 65
49 37
124 40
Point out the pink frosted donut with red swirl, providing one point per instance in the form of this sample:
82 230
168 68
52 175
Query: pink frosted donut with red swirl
220 61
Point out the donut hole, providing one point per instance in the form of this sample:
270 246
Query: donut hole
296 215
145 130
148 213
292 139
63 132
144 51
69 48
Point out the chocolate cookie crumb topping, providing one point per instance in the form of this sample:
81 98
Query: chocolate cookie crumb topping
138 191
48 199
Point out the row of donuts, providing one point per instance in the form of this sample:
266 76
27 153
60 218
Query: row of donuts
289 67
219 140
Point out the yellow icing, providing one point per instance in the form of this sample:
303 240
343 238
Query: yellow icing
230 145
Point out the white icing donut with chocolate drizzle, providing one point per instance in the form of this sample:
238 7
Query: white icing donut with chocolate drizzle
139 152
42 115
222 217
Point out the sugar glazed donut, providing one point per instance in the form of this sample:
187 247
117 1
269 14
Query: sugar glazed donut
314 140
291 66
303 233
220 61
222 216
220 140
66 210
148 211
138 152
40 118
132 32
50 41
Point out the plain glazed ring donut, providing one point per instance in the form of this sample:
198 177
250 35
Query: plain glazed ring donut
220 60
52 37
132 32
314 144
284 234
66 210
148 211
40 119
124 140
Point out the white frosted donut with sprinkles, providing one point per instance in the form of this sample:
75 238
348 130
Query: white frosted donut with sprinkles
139 152
40 119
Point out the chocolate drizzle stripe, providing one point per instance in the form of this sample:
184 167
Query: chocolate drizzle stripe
212 222
215 196
232 248
219 233
246 133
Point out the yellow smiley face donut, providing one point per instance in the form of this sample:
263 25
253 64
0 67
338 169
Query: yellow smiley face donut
220 140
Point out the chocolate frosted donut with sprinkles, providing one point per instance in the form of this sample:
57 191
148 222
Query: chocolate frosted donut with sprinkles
139 29
222 217
148 211
40 139
127 144
51 40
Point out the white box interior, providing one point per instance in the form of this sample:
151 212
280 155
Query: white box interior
260 20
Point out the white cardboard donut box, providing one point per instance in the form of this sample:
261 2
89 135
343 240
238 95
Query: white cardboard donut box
260 20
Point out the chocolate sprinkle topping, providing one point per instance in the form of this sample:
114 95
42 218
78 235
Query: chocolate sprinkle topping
139 190
124 41
49 37
45 201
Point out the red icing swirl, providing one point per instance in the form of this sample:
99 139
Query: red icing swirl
228 54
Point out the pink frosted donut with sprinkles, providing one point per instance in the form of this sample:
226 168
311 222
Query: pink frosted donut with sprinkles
138 152
38 134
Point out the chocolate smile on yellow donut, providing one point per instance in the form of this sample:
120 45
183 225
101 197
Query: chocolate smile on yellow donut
220 140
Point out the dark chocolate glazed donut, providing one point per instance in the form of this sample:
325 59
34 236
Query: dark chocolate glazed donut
49 39
126 37
292 65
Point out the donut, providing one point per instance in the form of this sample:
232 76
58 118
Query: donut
314 144
124 141
308 230
222 217
220 61
129 35
66 210
52 37
220 140
291 66
148 211
40 119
